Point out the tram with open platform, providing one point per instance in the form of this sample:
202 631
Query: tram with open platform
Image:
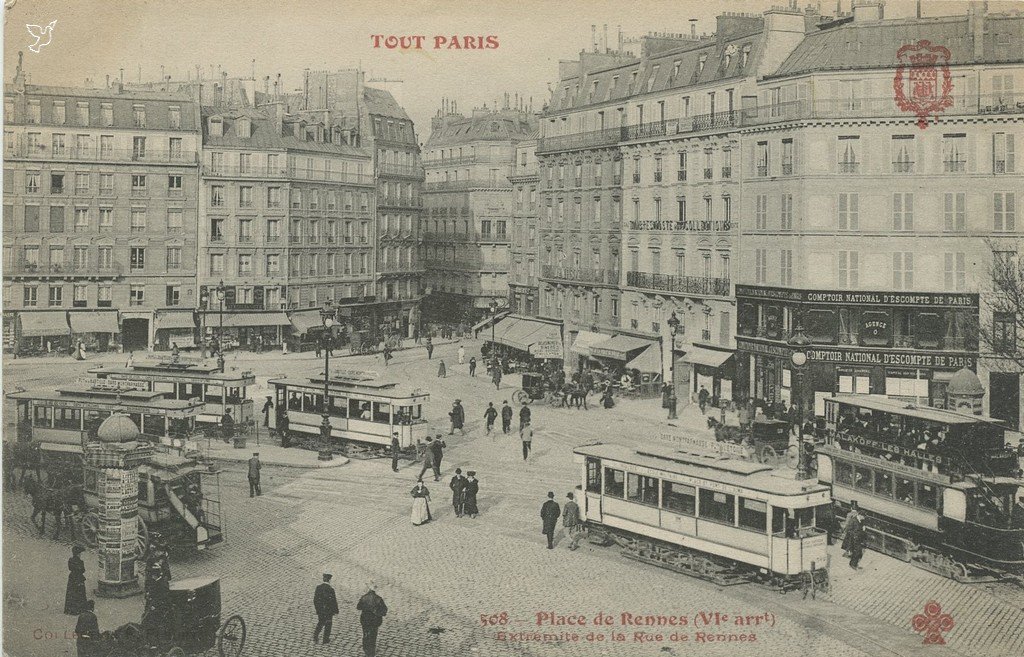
362 408
722 519
938 488
186 379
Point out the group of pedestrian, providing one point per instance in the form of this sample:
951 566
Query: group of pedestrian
433 452
371 608
464 492
571 520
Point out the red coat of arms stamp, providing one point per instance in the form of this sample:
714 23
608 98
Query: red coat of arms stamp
923 84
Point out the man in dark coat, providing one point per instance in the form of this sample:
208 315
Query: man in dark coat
506 417
458 417
227 425
254 474
373 612
325 603
490 415
430 348
524 416
268 406
437 453
282 429
458 486
428 457
496 376
395 450
550 512
87 631
850 521
469 493
472 365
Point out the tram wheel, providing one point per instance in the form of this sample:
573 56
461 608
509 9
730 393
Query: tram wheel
89 528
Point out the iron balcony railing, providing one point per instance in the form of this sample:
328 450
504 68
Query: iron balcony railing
66 269
580 274
47 152
718 287
405 170
221 171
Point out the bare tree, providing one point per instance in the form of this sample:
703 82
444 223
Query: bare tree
1001 324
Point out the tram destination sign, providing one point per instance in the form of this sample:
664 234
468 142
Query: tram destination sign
884 446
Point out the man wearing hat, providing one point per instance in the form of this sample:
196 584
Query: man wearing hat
549 514
254 475
458 486
373 612
436 449
267 407
395 449
325 602
458 417
506 417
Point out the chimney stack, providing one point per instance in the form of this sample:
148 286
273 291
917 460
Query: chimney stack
108 81
693 28
593 37
277 86
620 38
604 41
919 8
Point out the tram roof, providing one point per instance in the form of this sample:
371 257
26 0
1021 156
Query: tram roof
897 407
366 385
132 398
203 371
742 474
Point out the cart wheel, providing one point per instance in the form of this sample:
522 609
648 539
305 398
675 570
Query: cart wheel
792 456
89 528
231 637
520 397
176 651
554 399
768 456
142 539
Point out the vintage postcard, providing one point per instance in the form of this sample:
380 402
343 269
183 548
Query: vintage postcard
456 328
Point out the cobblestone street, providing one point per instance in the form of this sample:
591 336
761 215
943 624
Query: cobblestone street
441 578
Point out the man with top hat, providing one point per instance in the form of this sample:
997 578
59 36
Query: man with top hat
254 475
458 486
325 603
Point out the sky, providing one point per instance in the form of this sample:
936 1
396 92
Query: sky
95 38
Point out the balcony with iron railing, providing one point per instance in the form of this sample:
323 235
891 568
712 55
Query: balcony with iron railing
222 171
403 170
450 161
62 270
464 185
47 152
318 175
717 287
580 274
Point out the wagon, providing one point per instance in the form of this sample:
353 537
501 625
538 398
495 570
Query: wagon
188 625
769 440
536 386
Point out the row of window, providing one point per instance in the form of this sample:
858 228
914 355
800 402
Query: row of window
81 258
350 232
274 198
348 407
313 264
882 483
60 182
104 295
89 147
87 220
83 112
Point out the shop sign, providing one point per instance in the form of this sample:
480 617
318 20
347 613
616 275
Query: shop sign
875 328
690 226
763 349
891 359
546 349
845 298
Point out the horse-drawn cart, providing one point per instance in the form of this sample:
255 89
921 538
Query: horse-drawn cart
536 387
768 439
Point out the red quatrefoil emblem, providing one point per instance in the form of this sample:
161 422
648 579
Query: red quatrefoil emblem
933 623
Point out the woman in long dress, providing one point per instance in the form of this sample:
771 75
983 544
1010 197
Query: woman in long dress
420 504
74 598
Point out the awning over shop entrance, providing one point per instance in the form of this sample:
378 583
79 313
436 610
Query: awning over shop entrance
171 321
503 327
649 360
241 320
546 342
585 340
527 332
708 357
44 323
96 321
619 347
304 320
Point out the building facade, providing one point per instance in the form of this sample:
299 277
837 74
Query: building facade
100 212
525 245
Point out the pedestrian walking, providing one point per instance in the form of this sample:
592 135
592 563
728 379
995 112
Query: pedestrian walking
549 515
74 597
441 371
472 366
496 376
373 610
856 533
526 435
395 449
254 474
506 417
458 487
430 348
428 457
850 520
571 521
490 415
458 417
268 406
87 632
227 425
436 454
469 494
325 603
282 429
420 504
524 416
462 355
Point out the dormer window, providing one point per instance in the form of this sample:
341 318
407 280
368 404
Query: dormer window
700 64
650 80
745 55
243 128
611 87
675 69
216 126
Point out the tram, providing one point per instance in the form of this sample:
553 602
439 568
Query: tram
362 408
190 379
722 519
178 496
938 488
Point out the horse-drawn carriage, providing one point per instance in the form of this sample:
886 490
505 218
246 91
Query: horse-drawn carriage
537 386
768 440
187 623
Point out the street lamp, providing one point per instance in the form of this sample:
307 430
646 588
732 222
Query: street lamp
799 343
327 315
673 325
204 303
220 334
493 307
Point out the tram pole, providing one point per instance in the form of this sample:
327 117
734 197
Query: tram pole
799 343
220 332
327 315
673 325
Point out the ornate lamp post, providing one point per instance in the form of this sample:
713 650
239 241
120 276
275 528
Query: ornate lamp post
799 343
220 333
204 301
327 315
673 325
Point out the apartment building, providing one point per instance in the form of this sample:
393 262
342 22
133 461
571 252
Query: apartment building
525 245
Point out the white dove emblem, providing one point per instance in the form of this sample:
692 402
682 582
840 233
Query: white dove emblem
40 33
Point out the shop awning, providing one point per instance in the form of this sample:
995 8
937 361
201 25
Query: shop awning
546 342
486 322
304 320
522 333
239 320
585 340
708 357
168 321
619 347
503 327
95 321
649 360
44 323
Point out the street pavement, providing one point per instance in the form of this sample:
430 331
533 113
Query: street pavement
447 583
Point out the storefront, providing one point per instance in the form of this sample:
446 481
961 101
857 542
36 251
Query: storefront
640 358
902 345
43 332
712 369
241 330
96 329
175 327
527 343
581 345
307 330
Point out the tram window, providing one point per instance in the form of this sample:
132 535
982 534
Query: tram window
883 483
642 489
43 414
294 402
136 419
593 475
312 402
234 395
717 506
153 425
679 497
778 520
905 490
614 483
358 409
805 517
753 514
926 496
214 394
179 427
381 412
862 478
844 473
417 412
339 406
68 418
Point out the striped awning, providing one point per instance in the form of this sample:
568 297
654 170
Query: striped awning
94 321
44 323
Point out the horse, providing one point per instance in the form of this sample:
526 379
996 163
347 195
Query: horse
24 455
58 501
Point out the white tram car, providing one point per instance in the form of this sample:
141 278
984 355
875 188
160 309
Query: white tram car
751 521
